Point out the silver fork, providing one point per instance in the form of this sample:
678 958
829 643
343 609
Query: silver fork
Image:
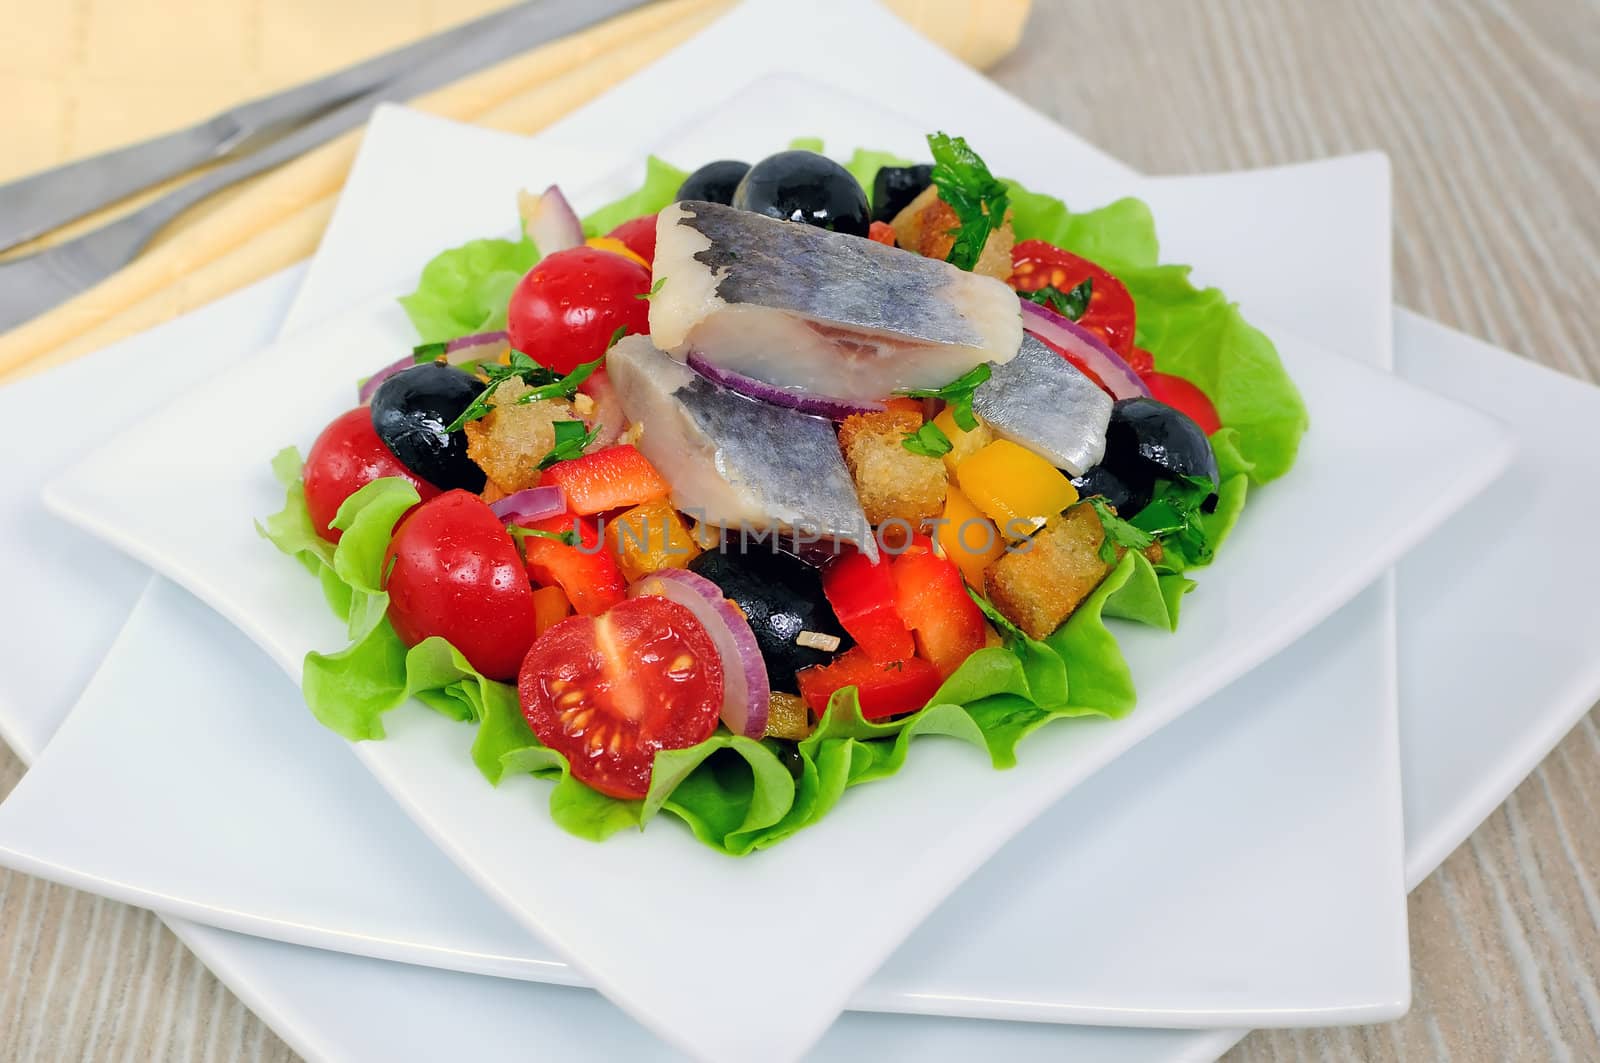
31 284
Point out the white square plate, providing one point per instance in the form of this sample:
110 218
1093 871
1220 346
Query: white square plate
1102 859
1461 755
154 493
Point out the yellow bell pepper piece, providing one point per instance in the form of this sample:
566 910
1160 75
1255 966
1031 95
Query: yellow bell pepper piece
963 444
616 247
967 537
650 537
1014 487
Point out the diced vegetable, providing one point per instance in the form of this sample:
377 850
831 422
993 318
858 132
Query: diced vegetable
607 479
963 444
891 481
550 606
1014 487
862 594
886 689
969 538
650 537
1037 589
789 717
932 598
585 571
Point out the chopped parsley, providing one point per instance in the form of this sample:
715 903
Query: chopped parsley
571 438
928 441
978 198
654 288
519 533
958 396
545 383
1176 517
429 352
1070 305
616 334
1119 533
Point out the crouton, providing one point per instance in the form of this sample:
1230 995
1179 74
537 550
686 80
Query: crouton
509 443
890 480
926 225
1039 587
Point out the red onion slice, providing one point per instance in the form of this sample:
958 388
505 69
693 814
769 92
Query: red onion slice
481 347
746 694
533 503
365 392
550 221
817 405
1085 349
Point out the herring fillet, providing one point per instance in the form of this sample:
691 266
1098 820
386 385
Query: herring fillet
823 313
1041 401
733 461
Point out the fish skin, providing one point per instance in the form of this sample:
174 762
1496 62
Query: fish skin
820 313
734 461
819 274
1041 401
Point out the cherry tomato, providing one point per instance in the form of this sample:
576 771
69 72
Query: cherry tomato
640 236
565 310
1035 264
1141 361
346 457
457 574
608 691
1183 397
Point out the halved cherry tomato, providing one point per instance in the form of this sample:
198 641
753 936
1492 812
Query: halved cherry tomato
608 691
587 573
1035 264
862 593
456 574
1183 397
931 597
346 457
640 236
886 688
565 310
607 479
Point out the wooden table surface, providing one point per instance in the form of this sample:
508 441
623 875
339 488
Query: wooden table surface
1490 113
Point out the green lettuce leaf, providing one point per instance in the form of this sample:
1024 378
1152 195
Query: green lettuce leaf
661 181
466 289
1196 333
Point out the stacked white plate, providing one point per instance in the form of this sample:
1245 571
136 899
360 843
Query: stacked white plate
1233 853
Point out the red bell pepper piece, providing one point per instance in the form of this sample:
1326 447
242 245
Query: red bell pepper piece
862 594
886 688
607 479
586 573
932 599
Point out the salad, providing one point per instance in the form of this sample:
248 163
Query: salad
711 501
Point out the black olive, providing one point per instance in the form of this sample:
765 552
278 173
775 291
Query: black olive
895 187
410 411
781 596
1125 497
1147 442
714 182
805 187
